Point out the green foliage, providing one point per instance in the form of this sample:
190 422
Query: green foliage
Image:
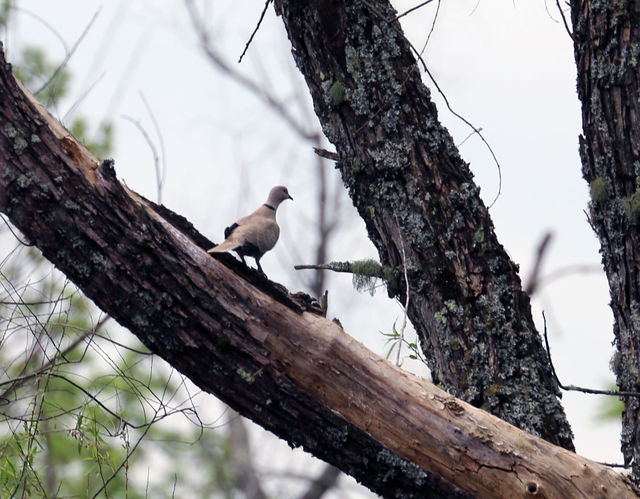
52 82
83 409
5 11
49 420
34 69
396 338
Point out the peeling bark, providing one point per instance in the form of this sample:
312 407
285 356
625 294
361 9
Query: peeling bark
607 47
418 198
271 357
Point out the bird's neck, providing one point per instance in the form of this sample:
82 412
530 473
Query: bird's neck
269 206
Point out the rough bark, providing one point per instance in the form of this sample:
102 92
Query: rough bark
607 47
241 337
423 210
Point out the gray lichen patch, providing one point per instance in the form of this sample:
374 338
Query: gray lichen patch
20 143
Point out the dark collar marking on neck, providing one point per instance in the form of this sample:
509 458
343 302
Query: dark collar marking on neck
269 206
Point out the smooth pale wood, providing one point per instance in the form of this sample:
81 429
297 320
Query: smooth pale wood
240 337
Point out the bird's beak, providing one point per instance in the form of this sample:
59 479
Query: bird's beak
290 197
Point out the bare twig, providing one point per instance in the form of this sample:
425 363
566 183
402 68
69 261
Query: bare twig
432 29
564 20
16 382
471 134
24 243
346 267
475 7
569 270
470 125
574 388
406 302
246 47
420 5
81 97
154 151
270 100
323 153
160 173
124 461
534 280
65 61
614 465
46 24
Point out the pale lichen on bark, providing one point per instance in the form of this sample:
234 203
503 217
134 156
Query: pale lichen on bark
607 45
417 196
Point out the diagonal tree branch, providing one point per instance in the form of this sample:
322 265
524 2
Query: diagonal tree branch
241 337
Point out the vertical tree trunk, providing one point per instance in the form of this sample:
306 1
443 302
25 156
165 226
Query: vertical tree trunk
607 41
423 210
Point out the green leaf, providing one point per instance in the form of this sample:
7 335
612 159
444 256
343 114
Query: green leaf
393 345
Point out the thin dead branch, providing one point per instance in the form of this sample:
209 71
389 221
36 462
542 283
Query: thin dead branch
270 100
564 20
534 279
323 153
161 173
412 9
154 152
574 388
69 54
246 47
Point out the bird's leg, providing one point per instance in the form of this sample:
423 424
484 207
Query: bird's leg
259 266
242 258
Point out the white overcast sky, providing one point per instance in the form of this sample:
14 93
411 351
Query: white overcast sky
506 66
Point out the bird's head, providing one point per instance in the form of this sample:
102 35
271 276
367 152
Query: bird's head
277 195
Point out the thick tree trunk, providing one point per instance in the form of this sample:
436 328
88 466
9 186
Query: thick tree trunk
239 336
607 41
422 210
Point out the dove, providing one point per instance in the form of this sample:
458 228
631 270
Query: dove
257 233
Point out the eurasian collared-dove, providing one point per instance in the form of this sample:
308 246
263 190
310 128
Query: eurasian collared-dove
257 233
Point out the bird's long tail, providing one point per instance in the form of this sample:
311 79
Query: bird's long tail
224 246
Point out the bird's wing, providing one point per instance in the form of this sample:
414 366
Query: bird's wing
263 234
235 238
229 230
259 232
